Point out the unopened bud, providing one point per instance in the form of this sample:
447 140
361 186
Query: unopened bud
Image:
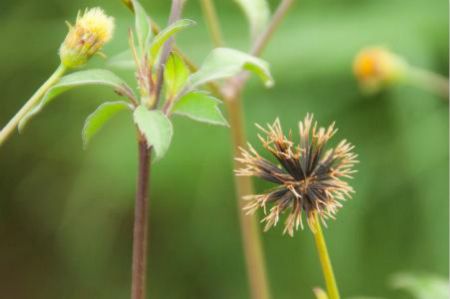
377 67
89 34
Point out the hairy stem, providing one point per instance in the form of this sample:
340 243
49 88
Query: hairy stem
254 257
212 20
429 81
30 104
322 251
139 264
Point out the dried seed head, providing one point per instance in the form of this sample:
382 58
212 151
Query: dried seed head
89 34
309 178
377 67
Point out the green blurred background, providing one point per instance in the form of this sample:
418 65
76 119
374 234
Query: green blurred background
66 214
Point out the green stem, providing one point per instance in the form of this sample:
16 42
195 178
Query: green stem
254 257
30 104
322 251
429 81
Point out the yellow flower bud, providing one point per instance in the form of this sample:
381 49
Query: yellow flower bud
91 31
377 67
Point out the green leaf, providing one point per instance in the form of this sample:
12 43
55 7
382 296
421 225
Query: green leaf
201 107
143 26
123 60
258 14
165 34
422 286
97 119
320 294
156 128
223 63
176 74
89 77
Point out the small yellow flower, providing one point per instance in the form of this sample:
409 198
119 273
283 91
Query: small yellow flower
377 67
89 34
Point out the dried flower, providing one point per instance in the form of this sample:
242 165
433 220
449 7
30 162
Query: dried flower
309 179
89 34
377 67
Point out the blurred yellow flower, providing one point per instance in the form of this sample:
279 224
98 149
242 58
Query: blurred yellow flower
89 34
377 67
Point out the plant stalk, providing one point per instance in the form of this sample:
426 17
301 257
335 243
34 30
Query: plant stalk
254 257
31 103
139 264
322 251
429 81
212 20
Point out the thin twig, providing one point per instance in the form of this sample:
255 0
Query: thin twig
263 39
254 257
234 85
252 245
212 20
428 80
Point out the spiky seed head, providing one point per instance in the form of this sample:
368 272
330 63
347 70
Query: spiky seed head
309 178
89 34
377 67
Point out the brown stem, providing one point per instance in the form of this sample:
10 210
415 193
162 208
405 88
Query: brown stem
262 40
209 11
254 257
139 265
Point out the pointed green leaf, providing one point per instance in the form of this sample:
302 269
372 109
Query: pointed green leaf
176 74
201 107
123 60
165 34
257 13
89 77
143 26
156 128
224 63
97 119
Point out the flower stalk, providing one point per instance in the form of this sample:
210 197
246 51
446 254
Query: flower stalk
254 256
231 93
430 81
6 132
325 262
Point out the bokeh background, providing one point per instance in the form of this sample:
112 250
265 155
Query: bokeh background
66 214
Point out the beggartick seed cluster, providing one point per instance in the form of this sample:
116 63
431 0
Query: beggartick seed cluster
310 178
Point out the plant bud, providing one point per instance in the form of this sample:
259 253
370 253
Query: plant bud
89 34
376 68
